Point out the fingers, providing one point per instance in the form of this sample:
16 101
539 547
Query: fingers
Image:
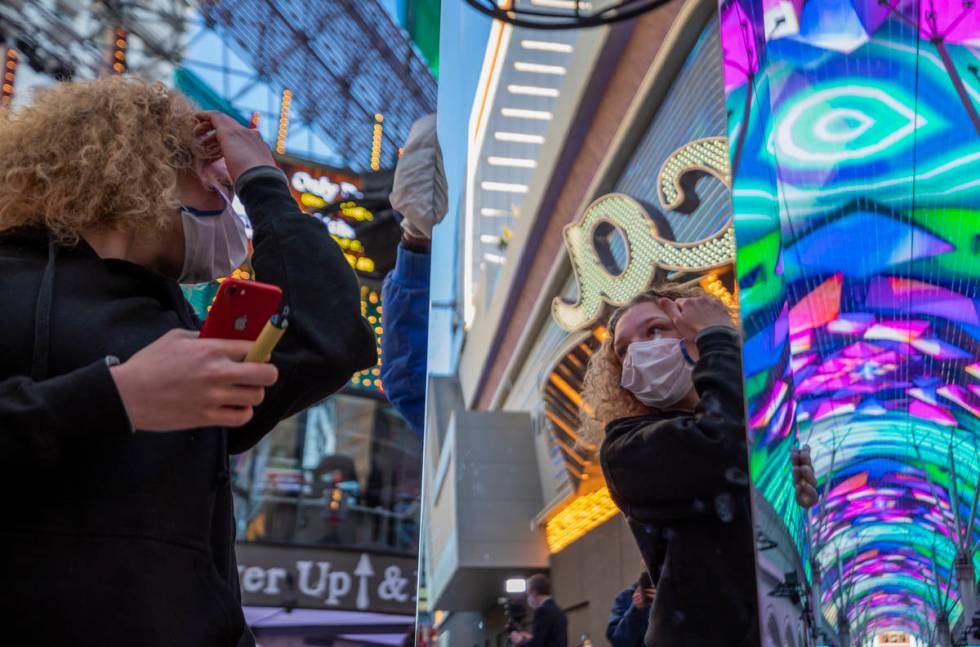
238 396
801 456
805 485
804 474
251 374
233 349
671 309
229 416
806 496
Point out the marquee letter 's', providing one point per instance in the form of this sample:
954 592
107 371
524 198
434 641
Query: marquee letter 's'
646 250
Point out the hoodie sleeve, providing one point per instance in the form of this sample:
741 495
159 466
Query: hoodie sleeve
327 340
39 419
627 624
640 456
405 307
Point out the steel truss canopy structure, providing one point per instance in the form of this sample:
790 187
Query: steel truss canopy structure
65 39
345 62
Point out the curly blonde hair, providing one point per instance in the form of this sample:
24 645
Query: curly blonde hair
604 400
96 155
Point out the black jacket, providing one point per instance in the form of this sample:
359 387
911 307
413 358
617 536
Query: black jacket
110 537
681 479
549 627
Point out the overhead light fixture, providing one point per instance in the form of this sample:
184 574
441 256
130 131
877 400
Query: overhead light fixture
515 585
492 213
521 113
496 259
515 162
533 91
546 46
540 68
568 5
504 187
518 138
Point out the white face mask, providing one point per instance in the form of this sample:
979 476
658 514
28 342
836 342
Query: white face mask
657 372
215 243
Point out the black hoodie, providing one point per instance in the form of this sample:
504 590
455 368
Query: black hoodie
109 537
681 479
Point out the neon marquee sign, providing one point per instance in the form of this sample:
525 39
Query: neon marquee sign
599 281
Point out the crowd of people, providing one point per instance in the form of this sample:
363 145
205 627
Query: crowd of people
112 193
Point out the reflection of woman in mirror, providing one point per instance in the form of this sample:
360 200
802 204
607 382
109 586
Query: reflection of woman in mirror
664 395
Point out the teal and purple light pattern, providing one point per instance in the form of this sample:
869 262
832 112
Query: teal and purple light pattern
854 139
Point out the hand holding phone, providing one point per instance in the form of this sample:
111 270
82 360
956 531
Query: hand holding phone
241 310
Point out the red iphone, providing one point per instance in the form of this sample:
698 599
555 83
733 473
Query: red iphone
241 309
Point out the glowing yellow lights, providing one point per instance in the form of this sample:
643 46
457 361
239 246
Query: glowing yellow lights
647 249
7 91
117 59
376 142
310 200
365 264
287 100
579 517
353 211
713 286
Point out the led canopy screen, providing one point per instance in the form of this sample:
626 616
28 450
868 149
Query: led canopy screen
855 147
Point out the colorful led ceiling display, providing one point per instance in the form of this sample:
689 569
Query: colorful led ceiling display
855 147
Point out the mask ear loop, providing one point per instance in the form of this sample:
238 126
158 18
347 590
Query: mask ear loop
687 356
208 213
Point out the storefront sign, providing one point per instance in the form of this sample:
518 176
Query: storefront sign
325 579
323 187
601 283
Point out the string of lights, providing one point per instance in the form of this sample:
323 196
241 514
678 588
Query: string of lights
376 142
117 61
9 76
287 100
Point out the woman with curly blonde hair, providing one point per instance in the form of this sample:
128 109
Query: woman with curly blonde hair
116 420
664 398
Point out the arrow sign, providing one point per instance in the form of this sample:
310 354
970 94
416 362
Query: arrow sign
363 571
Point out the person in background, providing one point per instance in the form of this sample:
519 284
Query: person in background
112 408
631 614
665 398
419 194
550 626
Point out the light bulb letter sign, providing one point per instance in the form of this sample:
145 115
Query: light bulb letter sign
599 280
597 284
